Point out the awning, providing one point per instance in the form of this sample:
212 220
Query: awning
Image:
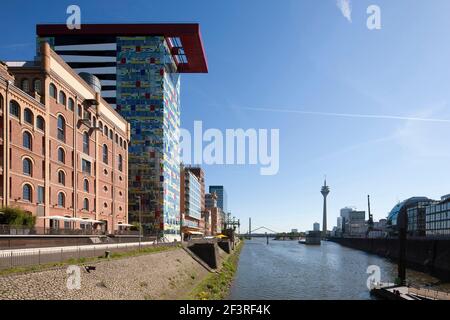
71 219
89 220
124 225
195 232
57 218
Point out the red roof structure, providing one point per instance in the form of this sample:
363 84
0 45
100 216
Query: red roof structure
184 39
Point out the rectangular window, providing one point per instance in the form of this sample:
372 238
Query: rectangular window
41 194
86 166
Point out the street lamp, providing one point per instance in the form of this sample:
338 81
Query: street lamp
140 220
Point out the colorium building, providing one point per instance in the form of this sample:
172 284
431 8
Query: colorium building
139 67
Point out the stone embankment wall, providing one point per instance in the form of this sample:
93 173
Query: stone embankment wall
165 275
427 255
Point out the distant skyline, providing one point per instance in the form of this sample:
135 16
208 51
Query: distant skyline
368 109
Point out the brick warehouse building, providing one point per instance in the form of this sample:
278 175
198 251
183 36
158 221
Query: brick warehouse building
63 147
139 66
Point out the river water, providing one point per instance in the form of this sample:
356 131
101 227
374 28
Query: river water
292 271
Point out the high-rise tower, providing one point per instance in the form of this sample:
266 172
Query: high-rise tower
325 191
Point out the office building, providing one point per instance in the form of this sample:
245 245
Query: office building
63 154
437 218
139 66
352 223
416 210
316 226
190 204
215 213
221 197
200 174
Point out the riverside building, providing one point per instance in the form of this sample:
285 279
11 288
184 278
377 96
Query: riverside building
416 208
437 218
221 196
63 148
139 66
190 205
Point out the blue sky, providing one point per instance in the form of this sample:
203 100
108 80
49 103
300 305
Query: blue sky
303 55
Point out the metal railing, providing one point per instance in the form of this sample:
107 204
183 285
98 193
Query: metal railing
429 294
38 256
23 230
126 232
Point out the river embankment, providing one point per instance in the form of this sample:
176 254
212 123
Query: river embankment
426 255
174 273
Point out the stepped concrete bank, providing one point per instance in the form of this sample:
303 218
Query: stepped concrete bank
426 255
170 274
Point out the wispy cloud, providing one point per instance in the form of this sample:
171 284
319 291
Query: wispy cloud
346 8
422 140
348 115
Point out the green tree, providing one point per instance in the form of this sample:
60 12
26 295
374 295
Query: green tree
16 217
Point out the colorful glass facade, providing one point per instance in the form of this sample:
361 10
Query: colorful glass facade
148 91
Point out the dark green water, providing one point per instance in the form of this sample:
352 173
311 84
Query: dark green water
289 270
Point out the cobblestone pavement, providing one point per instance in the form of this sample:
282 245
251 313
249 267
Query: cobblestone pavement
163 275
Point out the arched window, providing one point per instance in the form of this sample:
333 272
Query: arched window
28 116
61 199
111 134
40 123
27 140
105 131
61 177
62 98
27 192
86 204
52 90
120 142
125 145
27 167
120 162
71 104
117 139
86 142
37 85
86 185
25 85
100 125
14 109
61 155
105 153
61 128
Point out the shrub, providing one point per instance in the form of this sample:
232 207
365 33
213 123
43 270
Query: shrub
16 217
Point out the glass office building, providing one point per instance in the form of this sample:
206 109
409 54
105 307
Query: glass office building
192 196
438 218
221 197
415 208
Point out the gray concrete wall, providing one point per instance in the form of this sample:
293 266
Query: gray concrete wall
427 255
